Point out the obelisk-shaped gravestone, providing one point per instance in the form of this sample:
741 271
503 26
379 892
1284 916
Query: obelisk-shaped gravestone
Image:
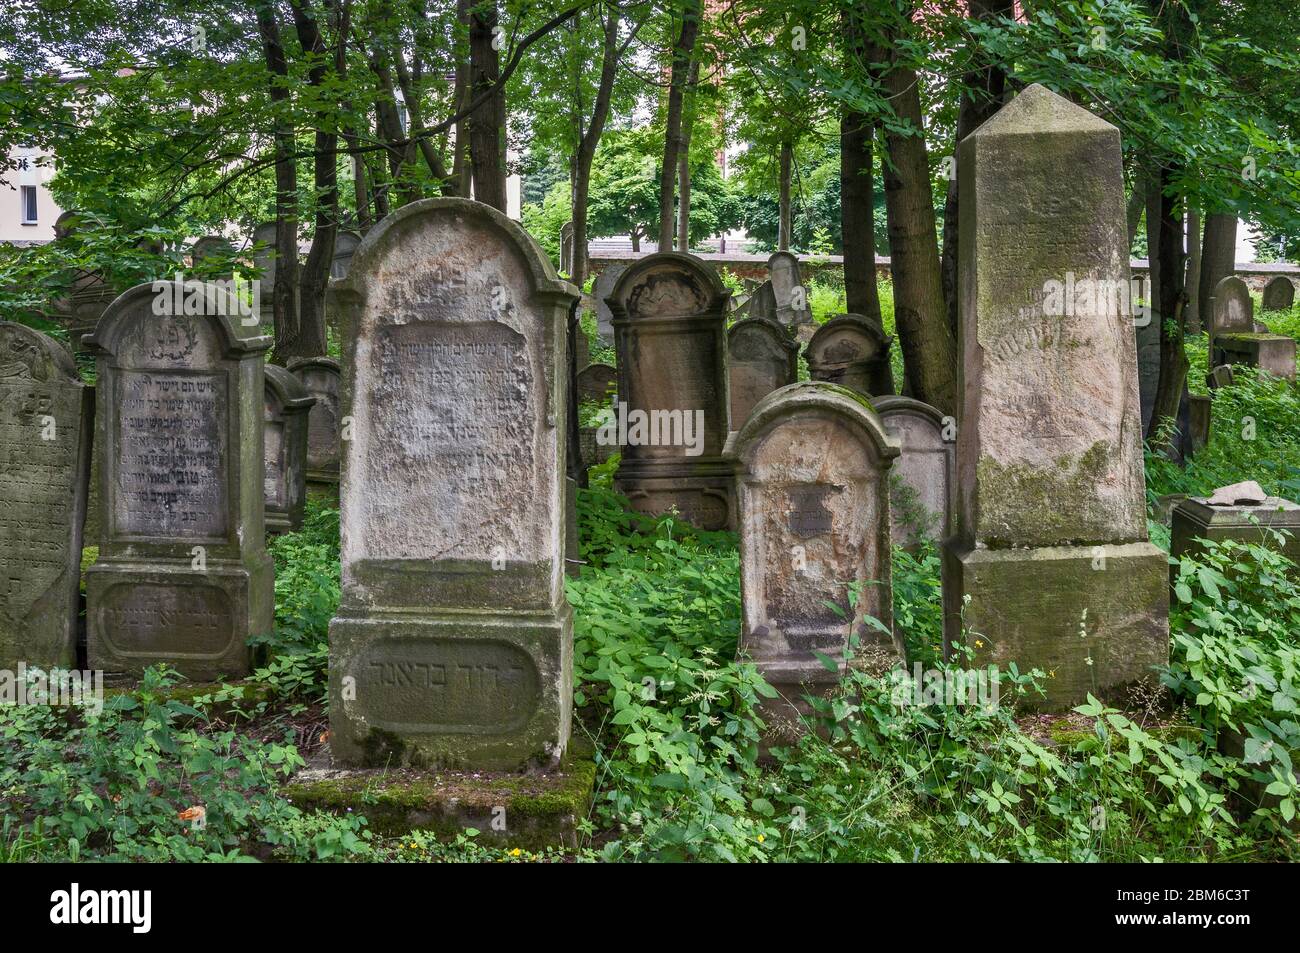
1051 545
183 575
45 421
453 641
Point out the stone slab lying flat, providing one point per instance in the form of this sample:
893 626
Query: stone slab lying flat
529 811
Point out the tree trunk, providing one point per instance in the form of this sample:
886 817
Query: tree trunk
487 123
1168 262
857 198
981 97
1218 258
784 220
682 52
587 147
462 170
1192 284
920 312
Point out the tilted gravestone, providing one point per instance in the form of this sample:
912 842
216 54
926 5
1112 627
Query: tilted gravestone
183 575
923 480
323 380
285 458
853 351
345 246
670 336
1235 338
812 488
761 358
45 421
596 383
788 290
1050 565
1279 294
762 303
603 288
453 641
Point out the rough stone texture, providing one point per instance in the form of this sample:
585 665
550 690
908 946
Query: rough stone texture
812 488
345 246
787 284
452 645
1195 519
597 382
761 358
853 351
1236 338
1200 414
670 336
46 417
603 288
762 303
1279 294
923 479
183 575
1049 449
323 380
285 441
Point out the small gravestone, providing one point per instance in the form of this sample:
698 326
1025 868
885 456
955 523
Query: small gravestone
601 291
1050 566
762 303
853 351
452 644
323 380
596 383
1221 376
788 290
345 245
183 575
45 421
812 469
1199 416
670 336
1279 294
566 248
1236 339
761 358
923 479
1242 512
285 441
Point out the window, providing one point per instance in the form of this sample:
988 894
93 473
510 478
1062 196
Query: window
29 204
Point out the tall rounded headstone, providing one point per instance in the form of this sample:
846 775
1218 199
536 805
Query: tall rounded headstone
285 441
853 351
670 337
788 290
1051 537
1236 338
812 489
924 479
323 379
603 288
761 358
45 421
183 575
453 641
345 246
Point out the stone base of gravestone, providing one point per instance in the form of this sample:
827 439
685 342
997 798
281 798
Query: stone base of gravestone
1274 353
505 680
1093 618
531 812
700 493
1199 417
197 621
1195 519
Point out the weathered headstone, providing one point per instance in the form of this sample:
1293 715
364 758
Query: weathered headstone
88 292
1147 335
853 351
1221 376
923 480
670 336
566 248
183 575
323 380
45 423
1236 338
603 288
214 247
1279 294
788 289
762 303
761 358
597 382
1050 565
345 246
453 641
285 458
1199 418
812 488
1247 518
